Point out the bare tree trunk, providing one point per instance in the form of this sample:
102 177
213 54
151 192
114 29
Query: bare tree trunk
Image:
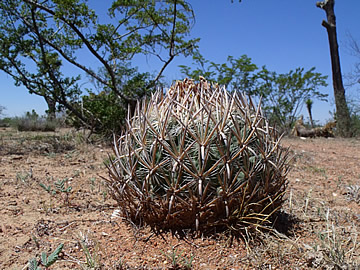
309 104
342 110
51 111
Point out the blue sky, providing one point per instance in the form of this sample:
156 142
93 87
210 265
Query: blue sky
280 34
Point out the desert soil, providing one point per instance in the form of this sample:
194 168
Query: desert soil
321 214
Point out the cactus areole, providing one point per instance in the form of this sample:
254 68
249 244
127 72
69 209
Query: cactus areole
199 158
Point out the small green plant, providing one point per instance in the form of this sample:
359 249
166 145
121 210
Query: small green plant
104 195
337 246
60 187
92 260
92 183
331 248
24 177
45 261
187 262
178 261
48 189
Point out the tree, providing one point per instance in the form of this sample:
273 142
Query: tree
342 110
282 95
285 94
236 74
48 46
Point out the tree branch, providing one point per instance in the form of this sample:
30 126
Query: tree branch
66 57
89 46
326 25
53 80
172 45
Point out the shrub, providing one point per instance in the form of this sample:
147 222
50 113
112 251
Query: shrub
5 122
106 111
355 125
198 158
33 122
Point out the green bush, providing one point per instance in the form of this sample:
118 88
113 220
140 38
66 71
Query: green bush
355 125
6 122
106 111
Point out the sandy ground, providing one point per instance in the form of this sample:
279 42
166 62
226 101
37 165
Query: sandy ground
323 206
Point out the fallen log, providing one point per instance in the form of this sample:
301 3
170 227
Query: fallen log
301 131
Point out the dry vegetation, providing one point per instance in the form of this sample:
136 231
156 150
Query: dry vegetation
319 227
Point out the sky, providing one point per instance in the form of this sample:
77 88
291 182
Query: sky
281 34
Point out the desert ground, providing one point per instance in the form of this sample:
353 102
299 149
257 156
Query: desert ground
52 191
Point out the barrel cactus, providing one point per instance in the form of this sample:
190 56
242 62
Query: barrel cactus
200 158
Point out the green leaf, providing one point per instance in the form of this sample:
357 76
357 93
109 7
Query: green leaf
54 256
47 188
43 259
33 264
